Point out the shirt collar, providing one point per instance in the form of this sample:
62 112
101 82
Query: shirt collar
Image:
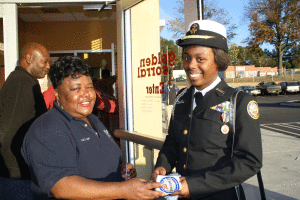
65 113
26 72
210 87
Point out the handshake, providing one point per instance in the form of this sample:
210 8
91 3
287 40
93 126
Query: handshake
171 182
174 185
171 186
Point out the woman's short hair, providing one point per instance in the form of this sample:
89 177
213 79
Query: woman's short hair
221 58
67 66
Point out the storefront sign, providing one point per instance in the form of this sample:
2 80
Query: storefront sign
156 66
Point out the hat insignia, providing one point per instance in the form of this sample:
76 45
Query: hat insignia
194 28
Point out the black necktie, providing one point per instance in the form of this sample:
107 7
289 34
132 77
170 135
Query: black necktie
198 97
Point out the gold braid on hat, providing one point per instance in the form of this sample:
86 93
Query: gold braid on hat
197 36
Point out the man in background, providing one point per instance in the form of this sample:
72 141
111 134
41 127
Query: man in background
21 102
169 97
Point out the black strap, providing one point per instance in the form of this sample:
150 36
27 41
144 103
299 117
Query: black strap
232 113
261 186
232 117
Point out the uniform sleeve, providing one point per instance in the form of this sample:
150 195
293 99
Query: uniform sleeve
50 154
168 154
247 155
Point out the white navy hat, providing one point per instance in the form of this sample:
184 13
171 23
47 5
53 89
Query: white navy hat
205 33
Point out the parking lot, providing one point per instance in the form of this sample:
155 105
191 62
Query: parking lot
281 168
280 128
290 128
278 109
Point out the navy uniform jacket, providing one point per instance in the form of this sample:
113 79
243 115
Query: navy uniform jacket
199 150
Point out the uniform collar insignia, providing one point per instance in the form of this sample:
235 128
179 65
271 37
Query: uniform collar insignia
219 90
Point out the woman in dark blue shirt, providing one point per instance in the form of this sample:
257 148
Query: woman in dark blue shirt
70 153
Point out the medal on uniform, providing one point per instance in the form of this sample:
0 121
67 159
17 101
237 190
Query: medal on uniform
223 108
225 129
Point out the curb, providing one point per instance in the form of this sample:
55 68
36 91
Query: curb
295 103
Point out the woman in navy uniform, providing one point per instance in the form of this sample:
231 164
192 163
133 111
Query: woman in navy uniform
199 143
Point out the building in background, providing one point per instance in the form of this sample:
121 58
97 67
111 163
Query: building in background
250 71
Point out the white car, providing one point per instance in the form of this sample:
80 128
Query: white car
289 87
250 89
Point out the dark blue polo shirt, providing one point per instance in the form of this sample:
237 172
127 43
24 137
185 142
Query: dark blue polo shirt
59 145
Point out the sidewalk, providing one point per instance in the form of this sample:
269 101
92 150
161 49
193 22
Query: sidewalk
281 168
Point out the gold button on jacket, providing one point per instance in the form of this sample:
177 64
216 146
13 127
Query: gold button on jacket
185 132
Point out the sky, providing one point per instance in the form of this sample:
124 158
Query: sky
235 9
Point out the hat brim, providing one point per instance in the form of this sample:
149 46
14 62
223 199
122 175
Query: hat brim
204 38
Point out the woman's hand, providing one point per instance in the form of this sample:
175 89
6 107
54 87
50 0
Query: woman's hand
141 189
157 171
184 192
131 172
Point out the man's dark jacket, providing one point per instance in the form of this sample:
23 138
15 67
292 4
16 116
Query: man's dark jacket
21 102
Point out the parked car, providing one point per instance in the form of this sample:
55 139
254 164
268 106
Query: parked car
250 89
269 88
289 87
180 79
298 83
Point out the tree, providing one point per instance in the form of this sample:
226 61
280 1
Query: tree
177 25
275 22
167 46
296 59
211 12
250 56
292 57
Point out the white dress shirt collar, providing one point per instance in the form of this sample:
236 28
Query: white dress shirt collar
207 89
210 87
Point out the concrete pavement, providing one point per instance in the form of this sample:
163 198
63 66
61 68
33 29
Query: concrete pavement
281 168
295 103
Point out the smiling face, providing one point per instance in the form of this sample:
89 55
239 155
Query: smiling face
77 96
200 66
